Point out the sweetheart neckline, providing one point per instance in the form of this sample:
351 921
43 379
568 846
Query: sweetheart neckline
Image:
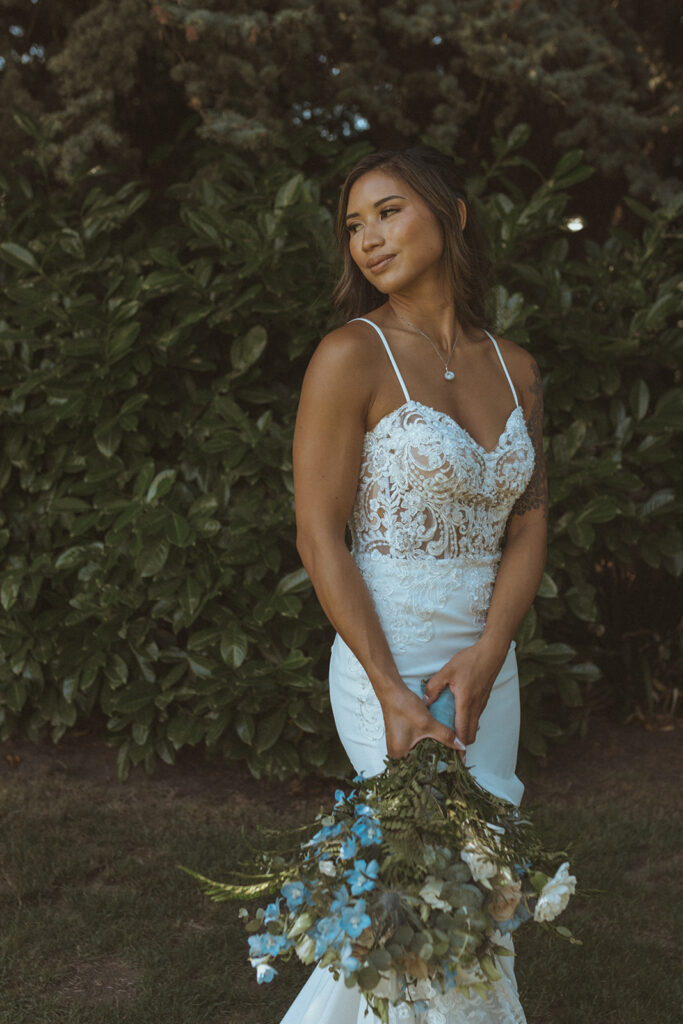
454 422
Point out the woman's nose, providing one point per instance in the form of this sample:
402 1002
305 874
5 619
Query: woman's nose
372 236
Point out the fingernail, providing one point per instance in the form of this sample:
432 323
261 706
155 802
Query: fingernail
459 744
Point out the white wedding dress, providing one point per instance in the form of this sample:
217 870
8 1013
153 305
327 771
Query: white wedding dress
427 525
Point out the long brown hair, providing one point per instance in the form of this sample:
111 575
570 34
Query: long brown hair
433 175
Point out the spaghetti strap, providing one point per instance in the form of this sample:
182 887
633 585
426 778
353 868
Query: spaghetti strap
389 353
502 363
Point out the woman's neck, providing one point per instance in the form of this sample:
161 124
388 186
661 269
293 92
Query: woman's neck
434 314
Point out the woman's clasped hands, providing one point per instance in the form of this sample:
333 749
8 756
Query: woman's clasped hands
407 721
470 675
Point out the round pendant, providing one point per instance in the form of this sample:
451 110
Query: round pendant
449 375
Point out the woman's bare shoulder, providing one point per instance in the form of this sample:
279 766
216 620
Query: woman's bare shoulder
521 365
348 343
348 353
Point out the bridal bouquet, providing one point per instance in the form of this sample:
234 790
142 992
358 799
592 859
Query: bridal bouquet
411 878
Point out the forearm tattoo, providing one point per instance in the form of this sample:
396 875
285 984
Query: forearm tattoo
536 494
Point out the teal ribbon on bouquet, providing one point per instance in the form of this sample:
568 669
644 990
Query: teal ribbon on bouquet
443 708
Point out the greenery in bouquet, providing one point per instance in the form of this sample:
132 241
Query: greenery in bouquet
414 876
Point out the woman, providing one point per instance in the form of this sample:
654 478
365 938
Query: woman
423 432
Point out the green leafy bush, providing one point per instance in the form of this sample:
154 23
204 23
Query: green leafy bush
601 319
151 353
151 377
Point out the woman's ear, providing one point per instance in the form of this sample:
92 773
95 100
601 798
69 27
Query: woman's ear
463 213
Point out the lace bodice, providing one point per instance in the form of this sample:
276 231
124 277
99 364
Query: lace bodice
427 490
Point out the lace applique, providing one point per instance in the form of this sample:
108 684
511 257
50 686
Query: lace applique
428 517
427 490
411 590
502 1005
368 708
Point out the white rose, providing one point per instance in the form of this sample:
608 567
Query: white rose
326 867
478 862
555 894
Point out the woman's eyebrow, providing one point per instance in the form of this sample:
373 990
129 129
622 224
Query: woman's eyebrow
378 203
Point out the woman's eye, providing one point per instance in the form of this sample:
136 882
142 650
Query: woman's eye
351 228
389 209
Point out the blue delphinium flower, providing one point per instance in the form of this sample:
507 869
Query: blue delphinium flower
348 962
354 920
328 932
295 893
265 944
363 876
367 831
362 809
265 973
326 832
349 848
339 797
272 911
341 899
256 946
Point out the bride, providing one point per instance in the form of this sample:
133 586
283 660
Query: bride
421 431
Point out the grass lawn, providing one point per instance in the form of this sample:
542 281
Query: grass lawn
98 926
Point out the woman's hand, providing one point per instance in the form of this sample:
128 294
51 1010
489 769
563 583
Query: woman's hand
470 675
407 721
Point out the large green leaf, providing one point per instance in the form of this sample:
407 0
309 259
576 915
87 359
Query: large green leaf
152 558
233 645
269 729
160 485
247 350
18 256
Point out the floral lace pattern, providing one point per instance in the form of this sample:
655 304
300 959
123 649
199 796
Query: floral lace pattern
427 490
407 596
368 709
501 1005
428 517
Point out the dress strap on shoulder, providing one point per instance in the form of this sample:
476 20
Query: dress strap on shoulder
389 353
502 363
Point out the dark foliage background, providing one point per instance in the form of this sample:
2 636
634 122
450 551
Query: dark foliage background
167 260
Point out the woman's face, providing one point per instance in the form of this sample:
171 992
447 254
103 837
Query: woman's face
394 238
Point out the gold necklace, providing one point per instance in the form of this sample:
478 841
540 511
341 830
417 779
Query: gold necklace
448 374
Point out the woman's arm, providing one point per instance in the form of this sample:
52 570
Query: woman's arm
472 671
328 442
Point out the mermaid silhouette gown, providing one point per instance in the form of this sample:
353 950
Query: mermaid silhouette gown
426 526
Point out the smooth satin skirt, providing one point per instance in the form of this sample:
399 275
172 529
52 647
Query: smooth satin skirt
426 622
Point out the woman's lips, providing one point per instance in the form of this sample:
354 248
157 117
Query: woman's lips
380 265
